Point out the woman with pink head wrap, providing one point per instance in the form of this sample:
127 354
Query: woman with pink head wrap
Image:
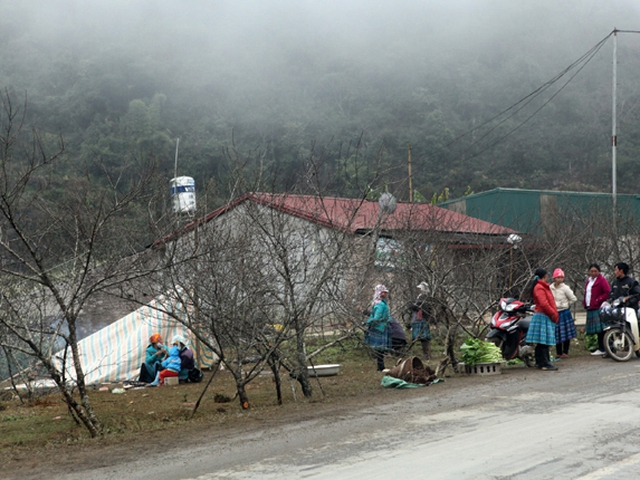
566 327
378 334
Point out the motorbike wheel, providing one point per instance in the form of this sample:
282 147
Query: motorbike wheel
618 344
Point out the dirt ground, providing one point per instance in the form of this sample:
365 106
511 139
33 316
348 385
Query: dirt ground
34 460
52 460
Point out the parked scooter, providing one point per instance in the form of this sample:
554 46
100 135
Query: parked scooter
621 330
509 327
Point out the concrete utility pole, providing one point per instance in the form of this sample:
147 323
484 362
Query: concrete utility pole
614 114
410 173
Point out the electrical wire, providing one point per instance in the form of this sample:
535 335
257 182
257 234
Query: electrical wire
530 116
525 101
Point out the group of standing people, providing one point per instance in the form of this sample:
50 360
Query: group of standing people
597 291
552 322
385 333
161 363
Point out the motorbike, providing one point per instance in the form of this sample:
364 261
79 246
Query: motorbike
509 326
621 330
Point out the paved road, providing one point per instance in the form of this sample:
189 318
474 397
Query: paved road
582 422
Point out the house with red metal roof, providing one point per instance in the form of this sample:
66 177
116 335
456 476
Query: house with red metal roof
364 217
319 257
378 239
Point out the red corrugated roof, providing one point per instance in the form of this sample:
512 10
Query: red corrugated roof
356 215
353 215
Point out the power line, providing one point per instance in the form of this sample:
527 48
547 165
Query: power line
526 100
533 114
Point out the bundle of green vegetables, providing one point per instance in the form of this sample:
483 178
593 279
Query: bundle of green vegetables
478 351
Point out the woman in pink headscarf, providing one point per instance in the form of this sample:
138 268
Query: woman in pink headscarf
566 327
378 334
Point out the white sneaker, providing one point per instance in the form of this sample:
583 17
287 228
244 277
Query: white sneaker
597 352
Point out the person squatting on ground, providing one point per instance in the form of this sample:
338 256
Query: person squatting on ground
398 337
542 330
154 354
596 292
566 327
422 314
378 334
171 365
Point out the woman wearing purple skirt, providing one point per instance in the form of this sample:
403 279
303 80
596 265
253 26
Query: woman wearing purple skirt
566 327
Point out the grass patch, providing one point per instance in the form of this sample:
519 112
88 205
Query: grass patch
45 422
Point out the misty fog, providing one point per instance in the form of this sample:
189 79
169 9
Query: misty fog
284 74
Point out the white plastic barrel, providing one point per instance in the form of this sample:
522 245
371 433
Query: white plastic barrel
183 194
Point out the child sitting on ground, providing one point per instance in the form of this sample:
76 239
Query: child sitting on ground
171 366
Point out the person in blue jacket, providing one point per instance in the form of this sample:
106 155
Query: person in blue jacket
378 334
170 366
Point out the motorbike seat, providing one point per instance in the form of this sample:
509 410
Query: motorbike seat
523 324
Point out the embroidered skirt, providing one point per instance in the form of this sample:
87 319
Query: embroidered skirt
566 327
421 331
378 340
593 325
541 330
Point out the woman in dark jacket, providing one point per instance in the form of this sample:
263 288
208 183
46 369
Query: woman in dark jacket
596 292
187 362
422 314
542 330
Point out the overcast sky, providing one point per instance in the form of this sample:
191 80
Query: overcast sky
254 31
254 42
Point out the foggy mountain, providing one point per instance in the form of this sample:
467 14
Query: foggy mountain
121 80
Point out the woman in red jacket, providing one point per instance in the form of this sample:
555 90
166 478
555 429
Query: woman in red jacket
542 330
596 291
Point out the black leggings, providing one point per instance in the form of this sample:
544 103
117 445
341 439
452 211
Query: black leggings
379 356
601 341
542 355
563 347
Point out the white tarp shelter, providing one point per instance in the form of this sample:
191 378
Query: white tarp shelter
115 353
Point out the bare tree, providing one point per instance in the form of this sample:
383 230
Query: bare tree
62 239
257 279
262 273
465 269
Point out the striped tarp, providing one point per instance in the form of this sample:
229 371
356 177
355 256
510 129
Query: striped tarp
115 353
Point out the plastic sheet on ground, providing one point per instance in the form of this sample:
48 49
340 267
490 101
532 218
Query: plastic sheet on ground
392 382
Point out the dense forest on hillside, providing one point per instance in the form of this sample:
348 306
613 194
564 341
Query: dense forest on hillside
275 83
305 96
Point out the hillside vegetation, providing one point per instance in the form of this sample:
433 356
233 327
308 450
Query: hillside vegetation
243 85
